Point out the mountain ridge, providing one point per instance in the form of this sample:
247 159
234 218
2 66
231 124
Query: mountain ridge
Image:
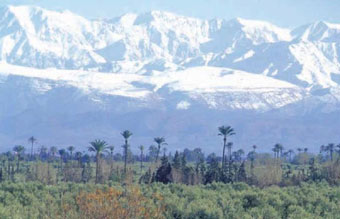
165 74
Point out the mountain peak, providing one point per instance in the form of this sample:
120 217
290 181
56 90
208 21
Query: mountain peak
318 31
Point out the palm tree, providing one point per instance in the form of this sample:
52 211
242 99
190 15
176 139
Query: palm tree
238 154
160 141
225 131
53 151
62 153
299 150
290 152
126 135
71 149
141 148
42 152
78 155
330 148
278 150
97 146
305 150
32 140
19 150
254 147
110 150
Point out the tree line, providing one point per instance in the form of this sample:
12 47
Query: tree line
100 164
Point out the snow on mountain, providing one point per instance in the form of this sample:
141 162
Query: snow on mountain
217 87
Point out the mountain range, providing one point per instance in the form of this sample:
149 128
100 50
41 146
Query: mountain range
66 80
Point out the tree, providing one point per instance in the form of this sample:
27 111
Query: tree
43 152
126 135
97 146
330 148
254 148
290 152
19 150
177 161
238 155
213 172
71 149
229 146
164 171
152 152
110 150
32 140
159 141
225 131
62 154
78 155
53 151
278 148
141 148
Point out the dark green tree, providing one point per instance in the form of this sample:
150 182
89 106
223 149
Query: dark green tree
160 141
126 135
141 148
97 146
19 150
225 132
32 140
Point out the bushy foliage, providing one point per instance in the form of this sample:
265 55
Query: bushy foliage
157 200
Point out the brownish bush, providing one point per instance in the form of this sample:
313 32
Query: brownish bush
113 203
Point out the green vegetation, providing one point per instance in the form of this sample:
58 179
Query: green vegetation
216 200
65 183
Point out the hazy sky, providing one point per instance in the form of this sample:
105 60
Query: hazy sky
289 13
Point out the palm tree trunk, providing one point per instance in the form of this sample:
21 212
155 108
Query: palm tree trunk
223 155
141 163
331 155
111 168
32 151
97 167
125 157
159 148
18 163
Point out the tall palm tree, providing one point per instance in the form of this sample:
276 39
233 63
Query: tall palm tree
330 148
279 149
78 155
97 146
53 151
141 148
225 131
299 150
62 153
32 140
19 150
276 152
159 141
290 152
322 149
254 148
42 152
71 149
110 150
126 135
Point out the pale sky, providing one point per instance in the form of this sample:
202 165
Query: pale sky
286 13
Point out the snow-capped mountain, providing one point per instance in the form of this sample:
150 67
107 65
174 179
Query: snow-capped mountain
172 75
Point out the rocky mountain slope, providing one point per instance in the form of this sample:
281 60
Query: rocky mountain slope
67 79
